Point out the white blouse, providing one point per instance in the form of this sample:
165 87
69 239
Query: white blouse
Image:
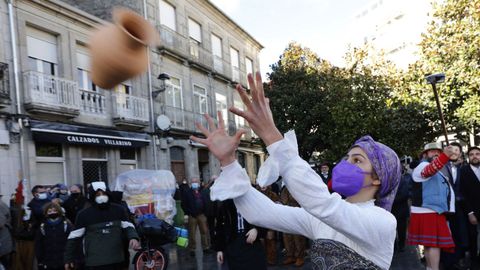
364 227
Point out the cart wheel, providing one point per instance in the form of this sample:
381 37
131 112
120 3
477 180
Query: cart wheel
156 260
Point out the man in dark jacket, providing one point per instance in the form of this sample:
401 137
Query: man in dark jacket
470 189
401 209
193 203
6 246
40 199
236 240
75 202
102 227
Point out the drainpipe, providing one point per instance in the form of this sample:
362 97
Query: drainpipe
150 97
16 85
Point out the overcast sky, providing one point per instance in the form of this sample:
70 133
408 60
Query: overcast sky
321 25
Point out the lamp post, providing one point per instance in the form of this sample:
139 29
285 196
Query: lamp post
163 77
433 80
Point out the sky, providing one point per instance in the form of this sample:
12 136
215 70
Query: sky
321 25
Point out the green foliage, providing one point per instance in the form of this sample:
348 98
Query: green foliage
452 46
329 107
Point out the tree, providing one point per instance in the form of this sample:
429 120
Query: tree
450 45
330 107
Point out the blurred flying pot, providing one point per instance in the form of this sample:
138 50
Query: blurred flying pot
119 51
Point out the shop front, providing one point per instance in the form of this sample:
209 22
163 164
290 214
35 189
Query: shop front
73 154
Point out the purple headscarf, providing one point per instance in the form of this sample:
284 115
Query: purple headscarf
387 166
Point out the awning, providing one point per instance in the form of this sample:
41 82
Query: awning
72 134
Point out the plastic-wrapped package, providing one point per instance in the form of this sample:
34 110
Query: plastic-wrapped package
149 192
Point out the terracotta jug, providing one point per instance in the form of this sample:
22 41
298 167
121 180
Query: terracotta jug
119 51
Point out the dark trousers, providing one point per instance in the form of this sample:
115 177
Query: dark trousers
6 260
240 255
211 228
458 223
401 232
117 266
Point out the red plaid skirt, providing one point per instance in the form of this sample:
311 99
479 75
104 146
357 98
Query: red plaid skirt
430 230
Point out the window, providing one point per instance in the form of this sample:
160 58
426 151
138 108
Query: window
128 159
174 93
124 88
249 65
94 153
50 164
235 64
167 15
195 33
239 121
83 65
200 103
124 103
217 53
174 102
48 149
194 30
221 103
42 51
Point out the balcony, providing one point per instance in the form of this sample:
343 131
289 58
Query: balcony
222 67
184 120
172 41
236 74
130 111
4 85
198 55
92 102
46 94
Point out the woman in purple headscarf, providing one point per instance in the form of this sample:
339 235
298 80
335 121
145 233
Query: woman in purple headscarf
355 233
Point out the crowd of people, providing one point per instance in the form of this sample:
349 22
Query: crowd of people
353 217
63 228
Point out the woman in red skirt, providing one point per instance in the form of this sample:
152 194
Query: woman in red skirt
432 197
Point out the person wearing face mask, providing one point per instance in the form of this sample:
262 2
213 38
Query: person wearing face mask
62 193
75 202
101 227
432 198
355 233
193 204
51 238
40 199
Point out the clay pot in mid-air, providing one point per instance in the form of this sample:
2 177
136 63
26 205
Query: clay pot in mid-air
119 50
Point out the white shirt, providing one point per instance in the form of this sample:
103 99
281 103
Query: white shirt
454 173
476 171
364 227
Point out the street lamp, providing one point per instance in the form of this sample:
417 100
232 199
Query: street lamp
162 77
433 80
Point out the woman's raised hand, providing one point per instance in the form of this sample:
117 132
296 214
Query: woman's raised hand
221 145
258 113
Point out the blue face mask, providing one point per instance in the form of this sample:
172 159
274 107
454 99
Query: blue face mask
195 185
347 179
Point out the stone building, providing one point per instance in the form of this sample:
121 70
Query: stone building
56 126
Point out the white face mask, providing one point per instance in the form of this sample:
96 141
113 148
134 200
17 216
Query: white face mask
42 196
101 199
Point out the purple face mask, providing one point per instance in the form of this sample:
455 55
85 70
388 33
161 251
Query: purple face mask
347 179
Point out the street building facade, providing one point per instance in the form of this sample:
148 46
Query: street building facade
57 126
